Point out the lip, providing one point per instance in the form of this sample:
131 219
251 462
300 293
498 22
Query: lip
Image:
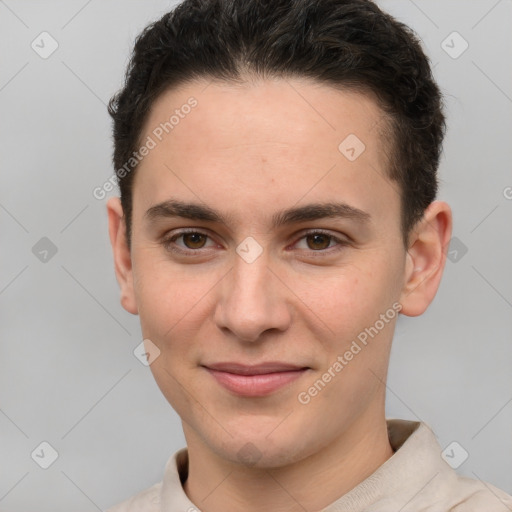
255 380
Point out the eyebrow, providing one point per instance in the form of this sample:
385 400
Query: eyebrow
315 211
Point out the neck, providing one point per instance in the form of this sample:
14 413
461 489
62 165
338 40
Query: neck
216 485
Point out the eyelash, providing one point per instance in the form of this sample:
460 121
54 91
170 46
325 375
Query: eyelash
168 242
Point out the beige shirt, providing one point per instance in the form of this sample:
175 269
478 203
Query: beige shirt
415 479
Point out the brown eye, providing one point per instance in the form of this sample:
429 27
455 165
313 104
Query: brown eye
318 241
194 240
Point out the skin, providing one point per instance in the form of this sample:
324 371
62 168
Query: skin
248 151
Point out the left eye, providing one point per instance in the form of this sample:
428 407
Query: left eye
318 241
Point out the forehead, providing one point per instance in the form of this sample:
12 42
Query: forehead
264 142
273 111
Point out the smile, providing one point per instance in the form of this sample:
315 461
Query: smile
253 383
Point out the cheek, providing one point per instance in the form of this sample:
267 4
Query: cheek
171 305
168 294
349 298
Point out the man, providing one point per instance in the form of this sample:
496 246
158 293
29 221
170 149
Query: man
277 164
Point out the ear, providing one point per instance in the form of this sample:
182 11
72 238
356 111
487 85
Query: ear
426 257
122 256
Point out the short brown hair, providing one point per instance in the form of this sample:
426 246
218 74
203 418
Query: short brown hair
344 43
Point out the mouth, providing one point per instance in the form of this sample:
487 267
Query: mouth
256 380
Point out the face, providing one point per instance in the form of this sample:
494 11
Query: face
291 254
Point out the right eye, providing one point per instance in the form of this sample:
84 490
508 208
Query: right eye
191 241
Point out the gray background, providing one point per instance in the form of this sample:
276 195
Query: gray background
68 375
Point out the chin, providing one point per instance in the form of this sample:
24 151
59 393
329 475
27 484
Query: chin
264 448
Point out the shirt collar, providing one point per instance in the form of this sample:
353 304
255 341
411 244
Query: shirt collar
417 455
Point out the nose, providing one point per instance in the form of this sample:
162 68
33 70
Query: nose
253 300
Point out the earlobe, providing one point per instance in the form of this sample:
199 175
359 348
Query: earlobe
121 253
426 258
